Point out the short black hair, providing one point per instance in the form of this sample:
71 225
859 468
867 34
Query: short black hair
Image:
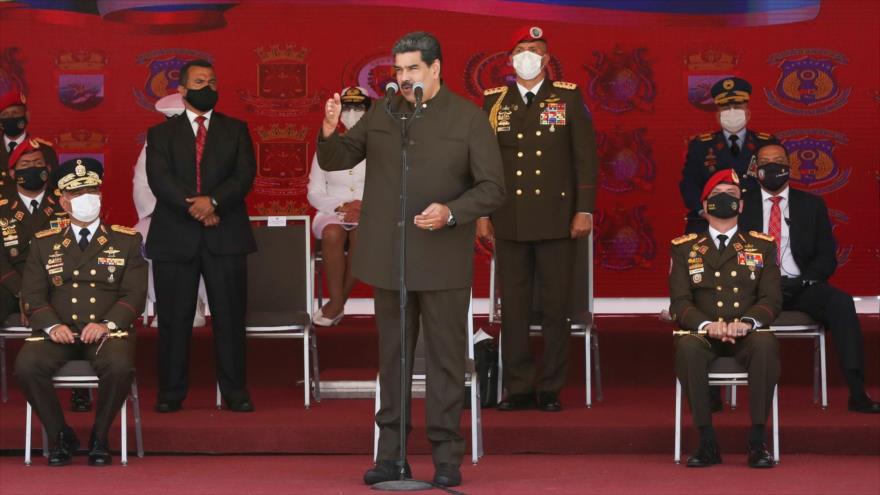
771 143
422 42
199 62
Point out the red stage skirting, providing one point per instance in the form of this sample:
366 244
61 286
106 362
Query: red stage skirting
636 416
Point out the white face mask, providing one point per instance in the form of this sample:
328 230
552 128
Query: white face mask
733 120
350 117
527 65
86 207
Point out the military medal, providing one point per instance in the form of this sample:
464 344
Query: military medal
697 278
57 280
13 252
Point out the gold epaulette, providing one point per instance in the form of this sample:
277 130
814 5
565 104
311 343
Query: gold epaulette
764 136
707 137
564 85
492 91
684 238
761 235
47 232
123 230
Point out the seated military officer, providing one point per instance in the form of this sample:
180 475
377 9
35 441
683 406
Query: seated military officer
82 288
724 284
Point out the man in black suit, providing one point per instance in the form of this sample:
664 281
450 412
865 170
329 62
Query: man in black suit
200 166
799 221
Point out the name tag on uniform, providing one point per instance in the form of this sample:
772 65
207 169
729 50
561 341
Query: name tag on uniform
553 114
111 261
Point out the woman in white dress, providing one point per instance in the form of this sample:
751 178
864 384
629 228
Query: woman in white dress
337 198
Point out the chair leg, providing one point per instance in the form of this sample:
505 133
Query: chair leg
123 434
219 402
588 366
823 369
45 441
776 424
313 346
136 406
4 392
677 456
500 369
816 378
597 368
375 425
475 407
477 416
28 420
732 397
307 384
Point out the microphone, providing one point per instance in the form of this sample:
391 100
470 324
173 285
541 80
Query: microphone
391 89
418 92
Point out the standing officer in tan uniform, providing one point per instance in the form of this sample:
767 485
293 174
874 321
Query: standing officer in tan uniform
725 283
81 285
454 177
549 153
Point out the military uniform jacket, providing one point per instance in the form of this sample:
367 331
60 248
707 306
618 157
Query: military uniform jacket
742 281
549 155
453 159
709 153
18 228
63 285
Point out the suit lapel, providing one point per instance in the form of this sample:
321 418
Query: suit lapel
185 150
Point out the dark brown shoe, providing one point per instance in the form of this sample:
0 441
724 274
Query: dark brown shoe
549 402
518 402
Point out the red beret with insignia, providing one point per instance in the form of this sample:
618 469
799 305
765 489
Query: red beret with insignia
526 34
33 144
11 98
726 176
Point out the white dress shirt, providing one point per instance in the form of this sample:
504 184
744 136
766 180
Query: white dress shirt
787 265
27 201
523 90
741 137
195 125
20 139
714 234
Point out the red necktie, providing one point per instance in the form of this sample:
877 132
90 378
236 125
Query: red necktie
200 148
775 225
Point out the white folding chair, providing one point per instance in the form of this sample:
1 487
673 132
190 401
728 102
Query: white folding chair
798 325
725 371
581 326
280 278
12 329
472 380
80 374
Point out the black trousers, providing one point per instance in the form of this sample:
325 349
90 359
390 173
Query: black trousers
114 364
519 263
836 311
758 352
443 316
177 285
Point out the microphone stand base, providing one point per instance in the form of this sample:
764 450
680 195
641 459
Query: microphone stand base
403 486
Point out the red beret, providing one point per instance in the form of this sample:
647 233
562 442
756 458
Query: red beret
13 97
525 34
726 176
27 146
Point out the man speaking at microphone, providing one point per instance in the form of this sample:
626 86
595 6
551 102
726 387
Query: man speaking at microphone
454 176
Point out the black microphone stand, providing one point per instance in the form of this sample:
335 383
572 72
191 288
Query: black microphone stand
402 484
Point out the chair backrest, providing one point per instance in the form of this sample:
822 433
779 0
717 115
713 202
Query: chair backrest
279 273
581 295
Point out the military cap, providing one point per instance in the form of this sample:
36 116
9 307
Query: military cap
726 176
731 90
30 145
11 98
355 95
78 173
527 34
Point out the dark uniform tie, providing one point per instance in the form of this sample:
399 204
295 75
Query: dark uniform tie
722 242
734 148
529 97
34 205
12 145
83 239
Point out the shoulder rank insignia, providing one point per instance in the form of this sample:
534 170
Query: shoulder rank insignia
3 201
47 233
706 137
492 91
761 235
764 136
684 238
564 85
123 230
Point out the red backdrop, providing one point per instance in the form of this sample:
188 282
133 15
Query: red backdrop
92 77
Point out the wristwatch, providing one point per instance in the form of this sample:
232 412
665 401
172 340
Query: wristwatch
450 222
213 202
111 326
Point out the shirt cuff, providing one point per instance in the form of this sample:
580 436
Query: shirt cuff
703 325
755 323
48 330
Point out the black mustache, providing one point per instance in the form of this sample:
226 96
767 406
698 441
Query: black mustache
407 85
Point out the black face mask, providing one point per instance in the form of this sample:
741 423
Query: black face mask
202 99
722 206
773 176
13 126
32 179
